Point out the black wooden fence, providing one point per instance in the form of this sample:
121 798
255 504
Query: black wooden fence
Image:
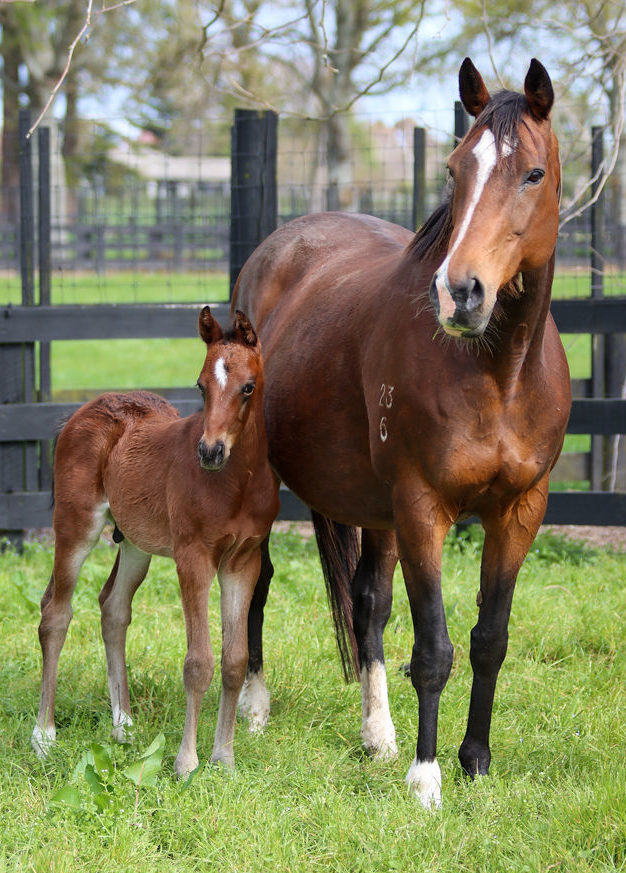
29 420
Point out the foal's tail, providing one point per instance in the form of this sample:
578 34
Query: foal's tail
339 549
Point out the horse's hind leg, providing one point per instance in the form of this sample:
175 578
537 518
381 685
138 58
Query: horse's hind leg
129 571
372 597
237 581
75 535
254 700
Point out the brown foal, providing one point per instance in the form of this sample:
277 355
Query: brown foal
198 490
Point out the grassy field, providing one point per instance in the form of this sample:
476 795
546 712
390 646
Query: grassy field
304 797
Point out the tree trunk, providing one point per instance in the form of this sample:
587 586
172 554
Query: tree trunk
12 58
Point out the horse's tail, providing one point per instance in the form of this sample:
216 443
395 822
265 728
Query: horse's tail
339 550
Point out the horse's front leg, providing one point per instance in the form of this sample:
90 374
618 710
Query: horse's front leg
421 528
195 574
372 597
238 577
254 700
507 541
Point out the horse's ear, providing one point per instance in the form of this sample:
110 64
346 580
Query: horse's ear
208 327
472 89
243 328
538 90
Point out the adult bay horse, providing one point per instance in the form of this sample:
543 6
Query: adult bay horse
199 490
415 380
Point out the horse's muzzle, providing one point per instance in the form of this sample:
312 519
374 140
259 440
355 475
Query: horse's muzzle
212 457
464 315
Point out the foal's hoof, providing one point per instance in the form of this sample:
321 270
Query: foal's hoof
424 780
122 724
184 765
254 702
42 740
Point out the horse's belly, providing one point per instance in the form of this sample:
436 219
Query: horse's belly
323 456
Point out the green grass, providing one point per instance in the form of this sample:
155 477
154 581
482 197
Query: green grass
304 797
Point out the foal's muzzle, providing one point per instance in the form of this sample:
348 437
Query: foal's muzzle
212 457
466 317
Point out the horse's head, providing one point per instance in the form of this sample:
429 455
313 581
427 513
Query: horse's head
504 215
231 383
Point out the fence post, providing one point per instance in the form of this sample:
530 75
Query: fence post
419 177
461 122
44 246
597 291
18 461
253 197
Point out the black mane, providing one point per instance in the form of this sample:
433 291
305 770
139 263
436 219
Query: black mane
502 115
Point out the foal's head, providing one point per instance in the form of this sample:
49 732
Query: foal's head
504 209
231 381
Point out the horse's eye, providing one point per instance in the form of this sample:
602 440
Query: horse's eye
535 176
247 389
200 388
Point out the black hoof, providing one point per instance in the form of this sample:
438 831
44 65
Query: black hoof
475 758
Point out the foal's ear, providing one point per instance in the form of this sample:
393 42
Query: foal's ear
538 90
472 89
208 327
243 329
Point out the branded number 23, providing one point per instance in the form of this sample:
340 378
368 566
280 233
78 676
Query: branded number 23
386 400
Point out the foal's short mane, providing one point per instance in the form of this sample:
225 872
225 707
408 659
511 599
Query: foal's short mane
502 115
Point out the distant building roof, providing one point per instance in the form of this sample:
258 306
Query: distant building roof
158 166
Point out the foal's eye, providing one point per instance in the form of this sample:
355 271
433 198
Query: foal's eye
535 176
200 388
247 389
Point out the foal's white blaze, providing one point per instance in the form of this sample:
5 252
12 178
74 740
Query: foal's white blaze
254 702
486 155
221 374
377 730
424 780
42 740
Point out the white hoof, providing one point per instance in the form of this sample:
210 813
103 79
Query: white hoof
424 780
379 739
254 702
377 731
42 740
122 724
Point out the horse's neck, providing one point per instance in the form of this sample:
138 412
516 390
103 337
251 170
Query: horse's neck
521 329
251 447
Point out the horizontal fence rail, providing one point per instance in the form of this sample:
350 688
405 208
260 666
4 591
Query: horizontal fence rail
40 421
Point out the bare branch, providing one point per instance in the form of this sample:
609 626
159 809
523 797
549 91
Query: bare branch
70 54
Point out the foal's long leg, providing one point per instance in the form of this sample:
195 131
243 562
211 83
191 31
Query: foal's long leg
372 597
506 544
254 700
195 574
421 530
129 571
76 533
237 582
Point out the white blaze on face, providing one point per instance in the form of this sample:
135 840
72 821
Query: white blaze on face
486 155
221 373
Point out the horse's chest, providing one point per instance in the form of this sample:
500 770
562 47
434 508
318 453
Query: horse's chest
499 459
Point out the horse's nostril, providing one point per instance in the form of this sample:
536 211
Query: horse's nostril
212 457
468 295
